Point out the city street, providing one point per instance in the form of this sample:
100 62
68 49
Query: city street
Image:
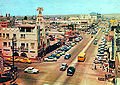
51 75
49 71
59 42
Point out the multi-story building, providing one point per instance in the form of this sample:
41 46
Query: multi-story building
29 38
26 40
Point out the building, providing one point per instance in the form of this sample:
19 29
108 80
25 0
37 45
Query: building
26 41
29 38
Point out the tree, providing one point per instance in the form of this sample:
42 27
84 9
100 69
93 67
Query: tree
25 18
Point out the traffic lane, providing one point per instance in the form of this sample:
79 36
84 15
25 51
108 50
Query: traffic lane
83 72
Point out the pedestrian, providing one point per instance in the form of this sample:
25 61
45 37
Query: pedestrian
95 67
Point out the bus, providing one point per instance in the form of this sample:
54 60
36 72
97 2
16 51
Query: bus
81 56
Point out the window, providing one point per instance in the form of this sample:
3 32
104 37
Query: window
22 36
23 44
26 45
9 44
28 30
7 36
32 45
3 35
14 35
5 44
22 30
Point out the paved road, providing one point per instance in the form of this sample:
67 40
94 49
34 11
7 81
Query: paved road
84 74
49 71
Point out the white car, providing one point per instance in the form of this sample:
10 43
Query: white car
77 39
63 66
31 70
50 59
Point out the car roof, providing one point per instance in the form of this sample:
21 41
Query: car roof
71 67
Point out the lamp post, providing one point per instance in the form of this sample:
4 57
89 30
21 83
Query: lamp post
13 68
13 43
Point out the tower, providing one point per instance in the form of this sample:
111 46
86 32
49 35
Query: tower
42 38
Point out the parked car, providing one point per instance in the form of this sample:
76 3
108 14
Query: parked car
73 43
62 53
63 66
31 70
58 56
25 60
67 56
50 58
77 39
64 48
70 71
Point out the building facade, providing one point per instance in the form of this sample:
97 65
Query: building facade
29 38
26 41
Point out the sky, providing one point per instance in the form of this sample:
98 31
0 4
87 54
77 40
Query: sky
59 7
